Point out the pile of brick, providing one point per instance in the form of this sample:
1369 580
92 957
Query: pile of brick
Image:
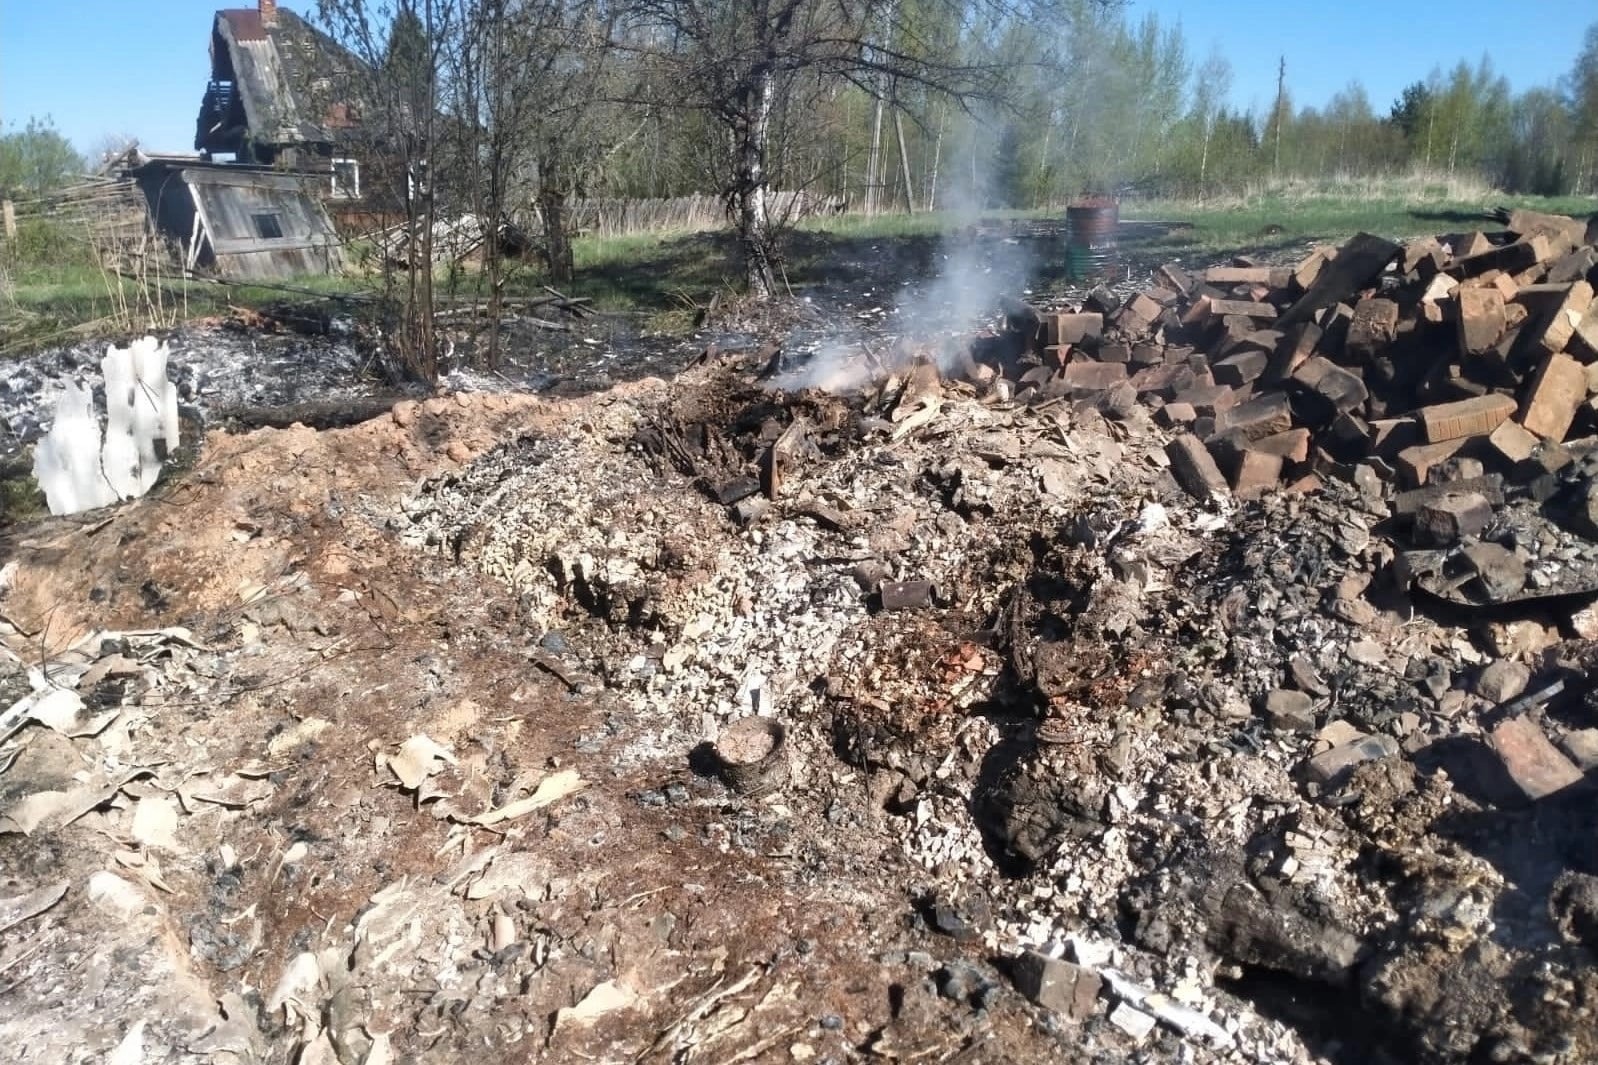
1411 365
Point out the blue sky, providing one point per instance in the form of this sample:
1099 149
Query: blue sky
1386 44
139 66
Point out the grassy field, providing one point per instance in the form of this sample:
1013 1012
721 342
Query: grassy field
1241 223
665 277
1238 225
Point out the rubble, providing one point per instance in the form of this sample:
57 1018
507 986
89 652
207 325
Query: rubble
1015 518
639 722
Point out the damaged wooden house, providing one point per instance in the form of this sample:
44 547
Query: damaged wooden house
278 160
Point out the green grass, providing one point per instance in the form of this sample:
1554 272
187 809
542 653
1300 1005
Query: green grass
1304 214
665 278
53 302
1270 220
21 499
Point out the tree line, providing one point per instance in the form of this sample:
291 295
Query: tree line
908 105
511 109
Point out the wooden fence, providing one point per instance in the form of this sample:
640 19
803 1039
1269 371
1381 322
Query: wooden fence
682 214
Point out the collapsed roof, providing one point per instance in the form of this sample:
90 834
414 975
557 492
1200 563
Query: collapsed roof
276 83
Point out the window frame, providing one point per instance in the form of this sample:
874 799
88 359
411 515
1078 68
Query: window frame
262 220
334 189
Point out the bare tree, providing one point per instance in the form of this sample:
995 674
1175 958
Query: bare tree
396 84
528 92
731 58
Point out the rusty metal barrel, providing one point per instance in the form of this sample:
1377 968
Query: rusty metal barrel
1090 227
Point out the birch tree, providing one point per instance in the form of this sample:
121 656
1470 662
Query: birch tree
730 59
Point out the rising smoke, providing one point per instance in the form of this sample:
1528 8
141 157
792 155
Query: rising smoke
973 273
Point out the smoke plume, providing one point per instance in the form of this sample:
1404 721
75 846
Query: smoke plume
972 273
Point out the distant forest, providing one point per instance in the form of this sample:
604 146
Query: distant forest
1055 99
511 110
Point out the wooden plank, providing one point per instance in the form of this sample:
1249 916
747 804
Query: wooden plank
1358 264
248 246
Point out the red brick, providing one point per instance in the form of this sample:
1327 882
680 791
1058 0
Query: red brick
1138 315
1245 308
1513 442
1207 307
1194 468
1173 277
1534 764
1164 381
1373 328
1289 355
1266 340
1292 446
1553 396
1481 319
1511 258
1083 375
1425 254
1559 325
1175 415
1261 416
1439 288
1241 367
1584 341
1306 485
1414 463
1238 275
1465 417
1305 273
1074 328
1474 244
1256 473
1208 400
1342 389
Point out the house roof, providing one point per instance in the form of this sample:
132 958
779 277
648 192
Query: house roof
246 23
292 79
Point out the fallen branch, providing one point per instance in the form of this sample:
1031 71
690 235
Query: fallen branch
316 414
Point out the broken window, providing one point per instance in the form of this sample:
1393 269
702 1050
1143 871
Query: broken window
268 226
346 179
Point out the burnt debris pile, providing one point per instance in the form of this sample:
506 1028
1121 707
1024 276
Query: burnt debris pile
1205 655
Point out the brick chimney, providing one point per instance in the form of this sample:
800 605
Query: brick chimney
268 13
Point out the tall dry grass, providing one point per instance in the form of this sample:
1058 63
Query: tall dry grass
608 218
1416 187
136 274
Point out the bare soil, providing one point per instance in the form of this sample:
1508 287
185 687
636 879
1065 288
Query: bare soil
768 950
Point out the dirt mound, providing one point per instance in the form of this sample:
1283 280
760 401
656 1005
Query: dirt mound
395 742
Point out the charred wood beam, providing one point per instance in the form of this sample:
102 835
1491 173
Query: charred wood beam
316 414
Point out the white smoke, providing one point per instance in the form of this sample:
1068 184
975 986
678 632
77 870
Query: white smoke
974 272
841 367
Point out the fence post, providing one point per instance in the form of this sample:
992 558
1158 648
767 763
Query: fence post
8 211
